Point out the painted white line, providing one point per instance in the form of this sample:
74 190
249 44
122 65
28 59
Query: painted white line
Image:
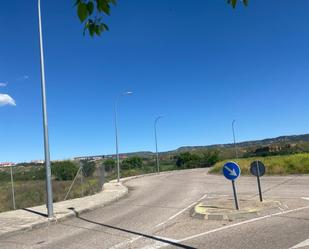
305 198
120 245
302 244
159 244
242 223
180 212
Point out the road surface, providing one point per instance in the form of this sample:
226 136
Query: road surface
157 214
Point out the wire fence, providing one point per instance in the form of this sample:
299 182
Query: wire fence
24 186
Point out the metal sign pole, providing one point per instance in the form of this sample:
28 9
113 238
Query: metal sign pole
258 181
12 184
235 195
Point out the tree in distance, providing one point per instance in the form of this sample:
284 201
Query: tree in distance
134 162
64 171
109 164
88 167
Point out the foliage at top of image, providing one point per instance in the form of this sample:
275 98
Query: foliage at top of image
234 2
91 12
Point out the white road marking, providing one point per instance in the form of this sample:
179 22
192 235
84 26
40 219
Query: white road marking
235 225
305 198
180 212
159 244
120 245
242 223
302 244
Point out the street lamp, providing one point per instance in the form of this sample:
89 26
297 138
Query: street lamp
236 153
49 190
116 130
156 141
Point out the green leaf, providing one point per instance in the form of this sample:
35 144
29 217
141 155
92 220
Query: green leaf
234 2
90 7
97 29
102 5
82 12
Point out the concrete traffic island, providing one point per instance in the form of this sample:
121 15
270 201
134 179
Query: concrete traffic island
13 222
223 208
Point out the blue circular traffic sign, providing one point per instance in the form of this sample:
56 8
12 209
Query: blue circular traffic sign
231 171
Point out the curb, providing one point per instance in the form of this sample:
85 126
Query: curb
72 213
201 212
125 179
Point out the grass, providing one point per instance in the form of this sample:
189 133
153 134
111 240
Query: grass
30 188
275 165
32 193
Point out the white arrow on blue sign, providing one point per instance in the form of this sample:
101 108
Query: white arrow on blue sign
231 171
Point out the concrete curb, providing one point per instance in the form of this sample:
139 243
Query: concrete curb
17 221
201 211
125 179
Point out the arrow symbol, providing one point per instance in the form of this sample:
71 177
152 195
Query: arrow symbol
232 171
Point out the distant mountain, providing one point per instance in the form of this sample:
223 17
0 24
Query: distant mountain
265 142
227 150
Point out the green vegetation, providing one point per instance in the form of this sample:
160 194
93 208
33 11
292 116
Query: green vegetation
64 171
88 168
234 2
134 162
91 13
187 160
29 184
275 165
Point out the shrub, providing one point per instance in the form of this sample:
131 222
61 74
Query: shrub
88 168
132 163
64 171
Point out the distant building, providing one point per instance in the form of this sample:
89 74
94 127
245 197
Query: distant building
7 164
89 158
37 161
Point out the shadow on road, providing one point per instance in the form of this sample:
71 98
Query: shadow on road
34 212
133 232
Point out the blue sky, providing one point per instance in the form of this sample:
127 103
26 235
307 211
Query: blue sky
202 64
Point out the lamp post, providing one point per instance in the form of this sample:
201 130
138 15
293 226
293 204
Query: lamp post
49 192
236 153
116 132
156 141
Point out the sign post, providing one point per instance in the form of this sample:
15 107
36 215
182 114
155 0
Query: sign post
231 171
257 169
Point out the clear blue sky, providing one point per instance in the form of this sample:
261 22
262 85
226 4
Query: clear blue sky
200 63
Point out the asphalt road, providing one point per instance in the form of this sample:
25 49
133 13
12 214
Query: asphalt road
157 214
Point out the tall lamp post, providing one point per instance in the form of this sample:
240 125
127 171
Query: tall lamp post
116 131
156 141
236 153
49 190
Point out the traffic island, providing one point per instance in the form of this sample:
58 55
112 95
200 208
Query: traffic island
218 208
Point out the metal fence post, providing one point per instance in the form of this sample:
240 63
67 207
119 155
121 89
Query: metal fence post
12 186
